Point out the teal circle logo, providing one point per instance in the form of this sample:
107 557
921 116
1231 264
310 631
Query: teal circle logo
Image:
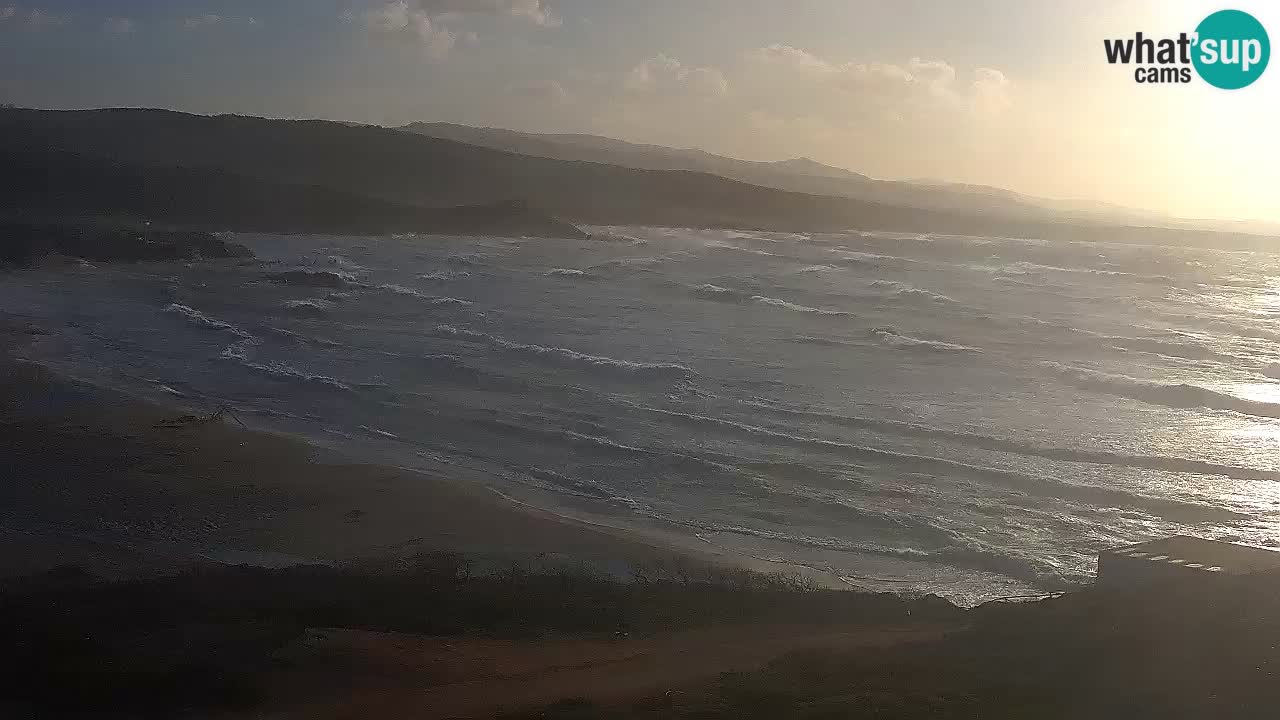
1232 49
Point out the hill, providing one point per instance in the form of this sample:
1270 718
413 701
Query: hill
51 183
394 171
798 174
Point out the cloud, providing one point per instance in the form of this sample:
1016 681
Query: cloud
200 21
849 90
663 74
535 11
398 19
119 26
428 22
990 91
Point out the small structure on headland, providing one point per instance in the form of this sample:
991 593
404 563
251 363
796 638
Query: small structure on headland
1181 558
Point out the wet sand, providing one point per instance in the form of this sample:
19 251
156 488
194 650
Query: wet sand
95 478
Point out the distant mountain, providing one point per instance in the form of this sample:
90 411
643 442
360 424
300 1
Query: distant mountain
807 166
235 171
798 175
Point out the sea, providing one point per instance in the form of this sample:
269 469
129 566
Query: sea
970 416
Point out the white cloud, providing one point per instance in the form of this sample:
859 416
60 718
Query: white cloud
990 91
119 26
665 74
397 18
535 11
849 90
200 21
429 22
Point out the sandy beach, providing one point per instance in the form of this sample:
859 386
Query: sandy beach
101 480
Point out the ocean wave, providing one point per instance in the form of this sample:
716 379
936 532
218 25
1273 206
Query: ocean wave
942 467
311 308
452 369
892 337
719 294
814 340
239 354
1175 395
566 272
1172 343
645 262
345 263
817 269
722 245
607 236
1035 268
1187 349
567 357
776 302
429 299
962 552
465 259
377 431
858 257
211 322
967 553
333 279
572 486
444 275
909 292
1048 452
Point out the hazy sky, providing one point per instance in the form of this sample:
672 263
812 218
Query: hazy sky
1013 94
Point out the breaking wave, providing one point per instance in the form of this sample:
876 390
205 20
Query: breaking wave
908 292
1177 395
943 467
565 356
892 337
239 354
719 294
444 275
987 442
775 302
722 245
821 341
308 308
200 318
429 299
729 295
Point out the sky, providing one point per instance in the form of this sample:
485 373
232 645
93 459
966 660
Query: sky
1011 94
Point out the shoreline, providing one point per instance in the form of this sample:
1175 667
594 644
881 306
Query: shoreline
109 487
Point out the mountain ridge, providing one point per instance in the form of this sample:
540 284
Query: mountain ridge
411 170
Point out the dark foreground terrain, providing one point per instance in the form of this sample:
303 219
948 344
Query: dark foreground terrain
431 637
